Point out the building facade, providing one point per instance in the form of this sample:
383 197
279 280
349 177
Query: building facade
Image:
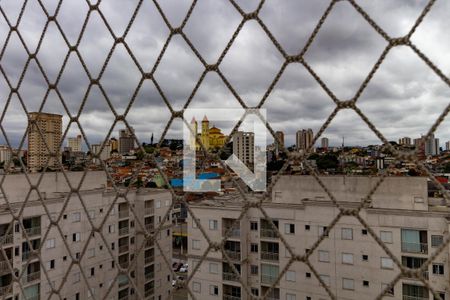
244 146
324 143
405 141
44 139
304 138
123 247
126 141
348 260
75 143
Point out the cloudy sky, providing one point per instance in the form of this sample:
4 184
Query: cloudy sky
404 98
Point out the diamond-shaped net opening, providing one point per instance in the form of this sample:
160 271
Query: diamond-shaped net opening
81 242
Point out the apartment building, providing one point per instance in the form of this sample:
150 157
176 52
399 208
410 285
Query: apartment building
44 139
45 263
348 260
243 146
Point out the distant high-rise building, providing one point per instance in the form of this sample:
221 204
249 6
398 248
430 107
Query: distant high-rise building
104 155
447 146
405 141
114 144
126 141
74 143
324 142
243 146
430 146
304 138
44 139
280 136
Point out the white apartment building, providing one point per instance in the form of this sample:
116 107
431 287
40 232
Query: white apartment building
243 146
119 226
348 260
75 143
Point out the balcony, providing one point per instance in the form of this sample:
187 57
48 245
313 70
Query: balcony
149 276
266 279
7 239
235 255
269 233
32 231
230 276
124 231
123 248
233 232
149 260
149 227
4 265
124 214
149 243
123 281
415 247
149 211
27 254
124 264
6 290
229 297
28 278
273 256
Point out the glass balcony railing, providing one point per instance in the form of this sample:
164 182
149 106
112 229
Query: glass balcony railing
5 290
415 247
149 292
124 248
149 227
229 297
230 276
124 214
235 255
31 277
273 256
234 232
266 279
149 210
6 239
124 231
32 231
269 233
4 265
149 260
149 276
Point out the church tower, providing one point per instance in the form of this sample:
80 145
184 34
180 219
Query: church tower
205 133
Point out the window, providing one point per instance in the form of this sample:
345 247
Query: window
347 258
323 230
195 244
441 295
438 269
158 204
386 237
308 275
113 245
253 225
92 271
364 231
51 264
325 279
254 269
214 290
365 257
50 243
254 248
255 291
346 233
64 258
213 224
289 228
196 287
64 216
111 228
387 263
348 284
436 240
290 276
307 227
213 268
167 202
76 277
90 252
365 283
290 296
76 217
76 237
324 256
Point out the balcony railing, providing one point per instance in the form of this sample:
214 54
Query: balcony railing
149 259
6 239
269 255
405 297
124 248
4 265
268 279
123 282
149 276
235 255
124 214
230 276
149 227
149 211
32 231
31 277
5 290
229 297
269 233
124 264
149 243
28 254
124 231
415 247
